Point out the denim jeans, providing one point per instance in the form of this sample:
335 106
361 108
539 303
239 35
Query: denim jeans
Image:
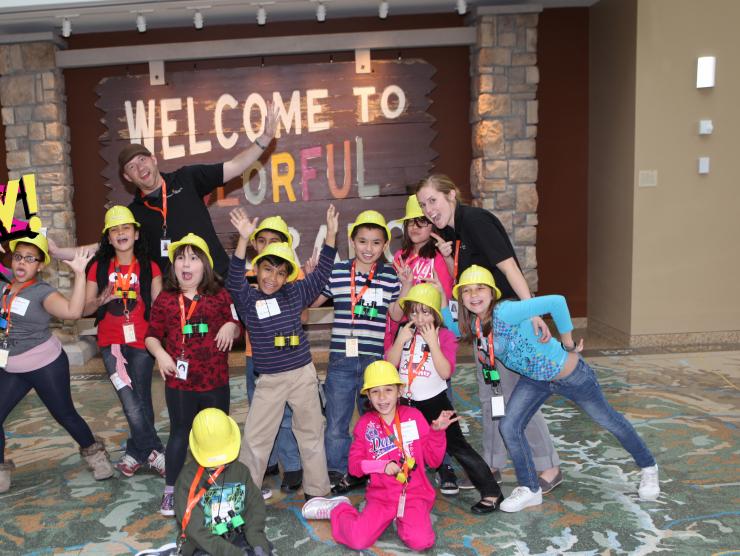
136 401
581 387
342 390
285 449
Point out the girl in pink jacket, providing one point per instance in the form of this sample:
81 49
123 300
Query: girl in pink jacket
393 444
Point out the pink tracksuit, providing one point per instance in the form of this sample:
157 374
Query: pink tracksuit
370 452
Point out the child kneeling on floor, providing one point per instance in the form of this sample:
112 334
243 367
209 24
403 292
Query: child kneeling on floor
218 506
393 444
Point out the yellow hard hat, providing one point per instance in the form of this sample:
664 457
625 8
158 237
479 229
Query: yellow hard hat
275 224
476 275
215 438
117 215
380 373
371 217
413 209
283 251
190 239
39 241
426 294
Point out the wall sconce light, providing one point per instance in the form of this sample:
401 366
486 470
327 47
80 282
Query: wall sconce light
141 23
261 15
321 12
198 20
705 66
462 7
383 9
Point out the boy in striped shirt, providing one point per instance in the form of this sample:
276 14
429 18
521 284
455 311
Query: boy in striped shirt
365 290
280 350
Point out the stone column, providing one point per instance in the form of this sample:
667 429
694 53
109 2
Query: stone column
37 142
504 77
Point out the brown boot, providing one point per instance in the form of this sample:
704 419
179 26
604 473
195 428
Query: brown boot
5 469
97 460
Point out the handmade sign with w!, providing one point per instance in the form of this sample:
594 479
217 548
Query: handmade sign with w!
357 140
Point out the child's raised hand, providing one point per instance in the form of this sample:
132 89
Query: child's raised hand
242 223
444 420
392 469
406 332
225 336
444 247
405 274
80 260
311 263
271 123
430 334
332 225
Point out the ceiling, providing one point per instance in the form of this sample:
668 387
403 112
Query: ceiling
93 16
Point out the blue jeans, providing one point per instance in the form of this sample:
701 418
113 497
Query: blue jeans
342 390
581 387
136 401
285 449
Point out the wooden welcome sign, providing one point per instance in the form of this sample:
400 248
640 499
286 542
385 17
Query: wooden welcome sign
357 140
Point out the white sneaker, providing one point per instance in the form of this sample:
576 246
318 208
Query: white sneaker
320 507
649 483
521 497
266 493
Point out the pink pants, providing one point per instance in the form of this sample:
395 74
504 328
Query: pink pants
360 530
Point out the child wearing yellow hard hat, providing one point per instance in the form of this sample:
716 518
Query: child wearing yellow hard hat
280 349
393 444
122 282
219 509
425 354
546 368
192 327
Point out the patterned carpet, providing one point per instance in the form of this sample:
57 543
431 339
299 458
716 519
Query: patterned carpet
685 405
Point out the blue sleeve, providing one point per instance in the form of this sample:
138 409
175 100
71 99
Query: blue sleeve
449 322
310 287
515 312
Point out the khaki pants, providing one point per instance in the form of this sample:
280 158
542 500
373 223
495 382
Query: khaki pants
298 388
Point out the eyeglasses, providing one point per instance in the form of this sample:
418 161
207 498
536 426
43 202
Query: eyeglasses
30 259
420 222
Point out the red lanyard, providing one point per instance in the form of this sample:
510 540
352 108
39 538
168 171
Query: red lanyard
8 299
490 343
408 462
183 317
123 282
354 297
193 498
414 372
457 256
163 210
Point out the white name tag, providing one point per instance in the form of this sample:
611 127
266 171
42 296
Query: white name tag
4 353
409 431
452 304
497 406
181 369
352 347
129 334
267 308
373 295
164 245
234 314
117 382
20 306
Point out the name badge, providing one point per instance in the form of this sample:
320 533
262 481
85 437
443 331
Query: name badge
117 382
452 304
4 353
352 347
181 369
409 431
373 295
267 308
234 314
164 245
129 334
20 306
497 406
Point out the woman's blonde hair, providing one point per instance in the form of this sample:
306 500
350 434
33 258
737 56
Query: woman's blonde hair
440 182
466 320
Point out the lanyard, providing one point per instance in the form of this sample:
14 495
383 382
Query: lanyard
353 296
8 299
194 497
414 372
163 210
490 344
123 282
457 256
397 438
183 317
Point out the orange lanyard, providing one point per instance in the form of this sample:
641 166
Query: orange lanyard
414 372
490 343
354 297
397 439
163 210
123 282
457 256
183 317
193 498
8 299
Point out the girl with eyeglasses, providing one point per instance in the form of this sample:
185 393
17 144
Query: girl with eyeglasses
31 357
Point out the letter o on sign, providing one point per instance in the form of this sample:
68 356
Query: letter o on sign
396 91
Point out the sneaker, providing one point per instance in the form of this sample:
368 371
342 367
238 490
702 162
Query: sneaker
167 507
649 483
271 470
347 483
548 486
335 477
521 497
156 462
128 466
320 507
447 481
266 493
292 480
464 483
166 550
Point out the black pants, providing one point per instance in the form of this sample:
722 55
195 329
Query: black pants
183 406
473 464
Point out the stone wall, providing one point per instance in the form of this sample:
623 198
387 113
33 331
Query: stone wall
503 114
37 140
